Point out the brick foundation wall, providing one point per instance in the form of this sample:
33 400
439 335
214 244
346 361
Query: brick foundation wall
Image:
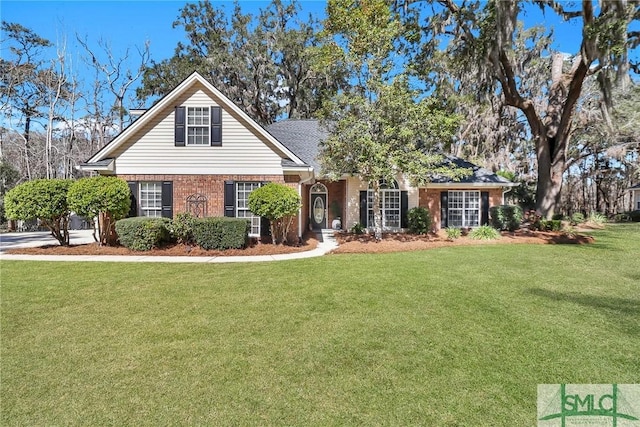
212 187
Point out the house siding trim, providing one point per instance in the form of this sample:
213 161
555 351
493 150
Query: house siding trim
170 100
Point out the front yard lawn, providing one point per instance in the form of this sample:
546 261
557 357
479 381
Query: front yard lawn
451 336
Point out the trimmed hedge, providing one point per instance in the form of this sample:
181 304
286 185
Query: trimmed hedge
418 220
221 233
506 217
143 233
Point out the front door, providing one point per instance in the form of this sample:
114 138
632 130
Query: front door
318 211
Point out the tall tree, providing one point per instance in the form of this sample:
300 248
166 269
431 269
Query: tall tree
379 126
113 71
481 37
19 89
259 62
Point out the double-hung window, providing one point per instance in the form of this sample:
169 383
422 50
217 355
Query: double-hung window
464 208
151 199
243 189
198 126
389 203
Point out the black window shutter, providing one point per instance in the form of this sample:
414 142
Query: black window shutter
180 128
484 207
265 224
444 209
363 208
229 199
167 199
133 188
216 126
404 208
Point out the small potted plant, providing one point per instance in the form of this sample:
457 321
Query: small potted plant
336 211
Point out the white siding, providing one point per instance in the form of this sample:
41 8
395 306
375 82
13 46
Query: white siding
151 150
355 186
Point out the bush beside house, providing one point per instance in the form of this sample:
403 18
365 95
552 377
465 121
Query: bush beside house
101 197
221 233
143 233
279 204
44 200
506 217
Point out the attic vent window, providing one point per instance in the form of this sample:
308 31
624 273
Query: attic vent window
198 126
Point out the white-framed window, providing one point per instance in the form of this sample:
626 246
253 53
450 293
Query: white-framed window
198 125
463 208
151 199
243 189
390 202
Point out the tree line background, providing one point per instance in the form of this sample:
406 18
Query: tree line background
545 119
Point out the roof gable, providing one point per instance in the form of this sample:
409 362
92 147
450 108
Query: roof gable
194 79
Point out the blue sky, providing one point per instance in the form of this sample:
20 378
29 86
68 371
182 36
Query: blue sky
126 24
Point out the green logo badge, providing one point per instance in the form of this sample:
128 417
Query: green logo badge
575 405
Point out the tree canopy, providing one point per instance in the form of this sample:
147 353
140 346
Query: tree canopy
484 42
259 62
379 126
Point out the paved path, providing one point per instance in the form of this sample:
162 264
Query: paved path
33 239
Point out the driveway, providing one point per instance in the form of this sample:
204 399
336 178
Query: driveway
40 238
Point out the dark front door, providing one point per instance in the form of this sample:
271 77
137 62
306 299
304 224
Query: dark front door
318 211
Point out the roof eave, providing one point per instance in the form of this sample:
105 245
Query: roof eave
470 184
169 98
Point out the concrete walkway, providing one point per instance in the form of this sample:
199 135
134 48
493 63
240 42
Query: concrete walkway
326 244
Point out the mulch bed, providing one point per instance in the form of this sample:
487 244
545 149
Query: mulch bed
255 248
396 242
349 243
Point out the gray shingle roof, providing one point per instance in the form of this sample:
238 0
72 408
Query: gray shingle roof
300 136
303 137
478 176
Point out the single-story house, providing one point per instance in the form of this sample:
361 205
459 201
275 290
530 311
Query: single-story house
635 196
196 151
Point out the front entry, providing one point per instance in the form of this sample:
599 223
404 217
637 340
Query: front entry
318 211
318 206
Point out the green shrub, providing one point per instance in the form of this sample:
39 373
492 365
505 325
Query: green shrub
453 233
597 218
484 232
577 218
221 233
182 227
143 233
550 225
418 220
634 215
89 197
279 204
43 199
557 217
357 228
506 217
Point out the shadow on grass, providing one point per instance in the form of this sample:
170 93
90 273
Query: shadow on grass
625 310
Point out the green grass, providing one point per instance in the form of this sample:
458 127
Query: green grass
454 336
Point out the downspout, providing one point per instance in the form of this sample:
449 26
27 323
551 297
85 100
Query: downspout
505 192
